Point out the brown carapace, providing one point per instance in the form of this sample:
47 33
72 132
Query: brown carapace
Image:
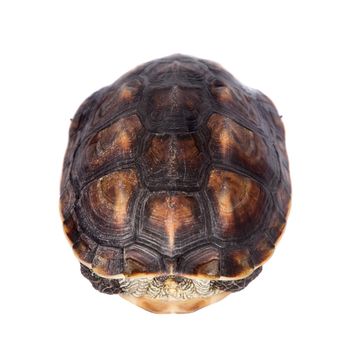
175 185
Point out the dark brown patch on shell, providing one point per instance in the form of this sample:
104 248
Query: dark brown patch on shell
237 263
103 285
174 108
173 161
262 250
276 226
140 259
202 261
67 200
71 228
108 261
85 249
236 285
176 72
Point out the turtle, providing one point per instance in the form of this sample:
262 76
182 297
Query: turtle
175 186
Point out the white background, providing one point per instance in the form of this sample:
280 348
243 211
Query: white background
56 53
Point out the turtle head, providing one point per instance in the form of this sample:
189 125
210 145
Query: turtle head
171 293
168 293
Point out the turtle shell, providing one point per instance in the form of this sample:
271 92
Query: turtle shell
176 169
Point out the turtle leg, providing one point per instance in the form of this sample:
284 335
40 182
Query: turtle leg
103 285
237 285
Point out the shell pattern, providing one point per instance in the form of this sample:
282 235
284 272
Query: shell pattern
175 169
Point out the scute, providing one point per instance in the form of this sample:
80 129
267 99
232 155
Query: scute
183 156
236 146
70 228
108 148
176 70
262 250
120 97
116 142
140 260
67 200
85 249
203 261
108 261
174 108
238 203
233 98
171 222
106 205
237 263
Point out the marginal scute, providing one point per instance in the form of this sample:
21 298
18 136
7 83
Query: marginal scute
85 249
103 285
283 192
234 145
116 143
276 226
269 114
71 228
139 259
238 204
108 203
172 221
235 285
263 250
237 263
173 160
78 124
283 199
201 261
108 261
67 200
